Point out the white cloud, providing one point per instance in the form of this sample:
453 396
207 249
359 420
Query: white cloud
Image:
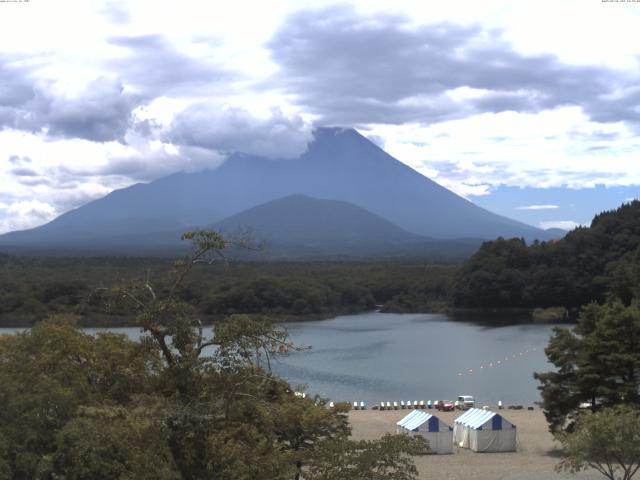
466 190
231 130
86 89
537 207
563 224
24 214
554 148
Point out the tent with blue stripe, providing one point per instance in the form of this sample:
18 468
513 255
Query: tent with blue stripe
438 433
484 431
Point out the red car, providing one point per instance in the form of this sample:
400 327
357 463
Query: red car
445 405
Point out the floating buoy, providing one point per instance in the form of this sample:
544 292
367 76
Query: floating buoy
497 362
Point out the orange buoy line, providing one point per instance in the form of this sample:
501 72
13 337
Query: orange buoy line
497 363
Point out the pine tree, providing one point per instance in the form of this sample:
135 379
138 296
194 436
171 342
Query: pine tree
598 362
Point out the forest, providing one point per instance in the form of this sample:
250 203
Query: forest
589 264
33 287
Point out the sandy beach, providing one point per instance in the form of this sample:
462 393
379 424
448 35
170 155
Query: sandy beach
534 460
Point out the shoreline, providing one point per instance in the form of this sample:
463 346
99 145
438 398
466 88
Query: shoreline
510 315
95 321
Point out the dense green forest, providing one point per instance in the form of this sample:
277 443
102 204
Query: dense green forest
588 264
33 287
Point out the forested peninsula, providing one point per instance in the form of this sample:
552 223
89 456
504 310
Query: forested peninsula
588 264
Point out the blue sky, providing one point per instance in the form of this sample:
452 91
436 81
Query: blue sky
555 207
530 109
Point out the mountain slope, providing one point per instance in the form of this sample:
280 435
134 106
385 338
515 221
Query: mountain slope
303 219
340 164
302 227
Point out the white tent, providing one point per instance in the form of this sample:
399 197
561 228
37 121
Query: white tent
484 431
438 433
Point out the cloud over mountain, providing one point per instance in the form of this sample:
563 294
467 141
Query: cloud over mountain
235 130
382 68
124 92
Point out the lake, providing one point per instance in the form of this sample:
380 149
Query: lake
381 356
376 356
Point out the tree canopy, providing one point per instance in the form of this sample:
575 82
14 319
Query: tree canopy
597 362
584 266
607 441
183 403
32 288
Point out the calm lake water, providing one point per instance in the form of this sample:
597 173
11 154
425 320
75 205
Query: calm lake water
376 356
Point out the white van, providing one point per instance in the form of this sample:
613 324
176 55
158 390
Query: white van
465 402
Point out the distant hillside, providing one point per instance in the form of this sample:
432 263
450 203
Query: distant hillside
298 226
303 219
340 164
586 265
554 233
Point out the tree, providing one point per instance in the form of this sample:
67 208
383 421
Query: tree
387 457
112 443
607 441
48 373
597 362
256 411
625 277
179 404
202 395
305 427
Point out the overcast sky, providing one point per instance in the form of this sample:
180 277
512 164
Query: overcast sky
529 108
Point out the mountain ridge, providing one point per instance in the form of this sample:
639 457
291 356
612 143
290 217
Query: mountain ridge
340 164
